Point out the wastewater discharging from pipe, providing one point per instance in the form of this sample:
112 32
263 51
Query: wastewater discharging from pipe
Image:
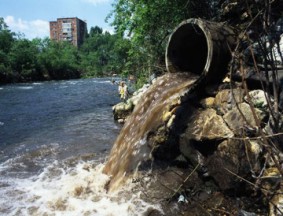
130 148
56 138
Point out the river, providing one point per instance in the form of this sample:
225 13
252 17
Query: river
54 140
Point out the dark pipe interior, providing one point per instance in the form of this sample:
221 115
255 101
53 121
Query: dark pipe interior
188 49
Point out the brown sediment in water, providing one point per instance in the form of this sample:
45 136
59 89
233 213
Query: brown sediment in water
130 148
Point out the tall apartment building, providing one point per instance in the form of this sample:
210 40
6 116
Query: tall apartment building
68 29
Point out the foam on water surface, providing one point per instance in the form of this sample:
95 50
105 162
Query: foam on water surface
61 189
25 87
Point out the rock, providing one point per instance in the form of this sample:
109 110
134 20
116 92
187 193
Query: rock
168 114
137 95
158 137
258 98
164 184
277 156
226 80
237 120
276 204
190 153
141 90
122 110
245 213
207 125
272 128
180 161
225 99
135 99
207 102
234 158
204 130
170 121
271 179
228 161
121 121
272 182
234 10
254 150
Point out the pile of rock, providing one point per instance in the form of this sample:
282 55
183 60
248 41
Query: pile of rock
227 136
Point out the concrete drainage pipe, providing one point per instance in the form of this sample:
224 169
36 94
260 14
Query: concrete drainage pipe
200 47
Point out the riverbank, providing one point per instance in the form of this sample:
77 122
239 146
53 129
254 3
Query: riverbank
209 166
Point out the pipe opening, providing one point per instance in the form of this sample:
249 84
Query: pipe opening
188 49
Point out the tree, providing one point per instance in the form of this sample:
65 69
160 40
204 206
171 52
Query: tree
148 25
59 60
3 25
103 54
23 59
6 41
95 30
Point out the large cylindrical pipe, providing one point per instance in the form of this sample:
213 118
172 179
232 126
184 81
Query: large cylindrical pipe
200 47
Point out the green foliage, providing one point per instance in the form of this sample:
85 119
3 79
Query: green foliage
103 54
148 25
59 60
39 59
95 30
6 40
3 25
137 48
21 60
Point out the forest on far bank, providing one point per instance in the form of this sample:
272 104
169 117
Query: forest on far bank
23 60
138 45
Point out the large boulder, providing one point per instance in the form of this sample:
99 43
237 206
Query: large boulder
211 141
204 130
122 110
207 125
242 117
258 98
272 187
226 99
218 136
234 159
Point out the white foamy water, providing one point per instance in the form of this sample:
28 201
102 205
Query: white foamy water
52 139
63 190
25 87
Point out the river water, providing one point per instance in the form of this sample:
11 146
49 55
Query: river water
54 140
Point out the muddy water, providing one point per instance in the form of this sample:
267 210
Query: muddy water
130 148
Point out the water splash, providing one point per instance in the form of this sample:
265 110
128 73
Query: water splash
62 189
25 87
130 148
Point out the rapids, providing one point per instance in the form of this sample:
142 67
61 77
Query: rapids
55 143
54 138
